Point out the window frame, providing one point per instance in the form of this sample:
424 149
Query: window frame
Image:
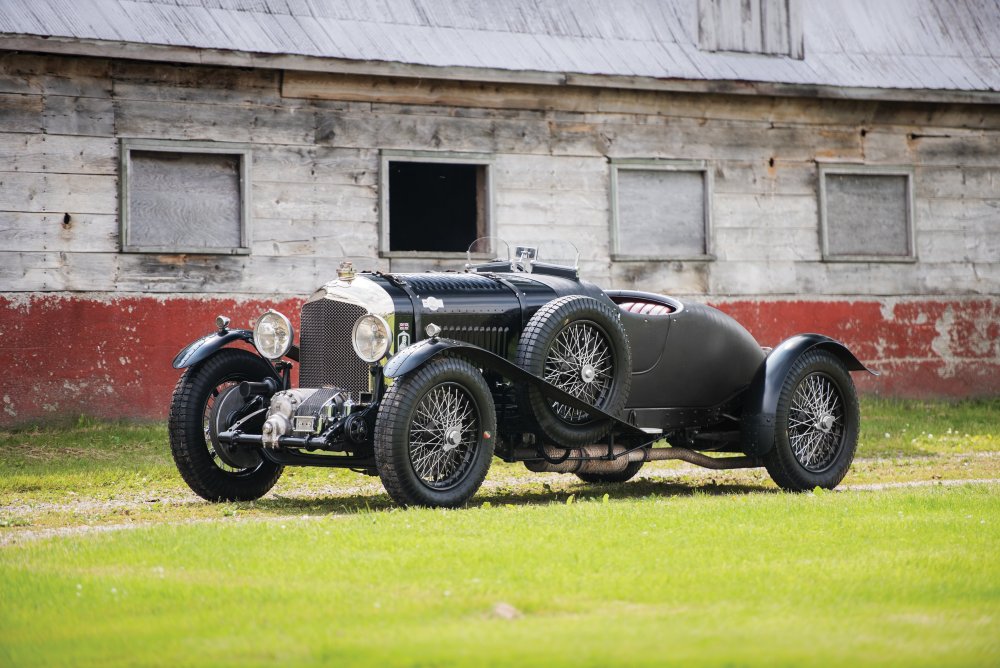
658 164
870 170
486 161
242 150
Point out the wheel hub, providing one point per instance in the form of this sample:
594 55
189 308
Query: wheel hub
587 373
452 439
825 423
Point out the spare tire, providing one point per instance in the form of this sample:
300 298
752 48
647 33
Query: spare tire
578 344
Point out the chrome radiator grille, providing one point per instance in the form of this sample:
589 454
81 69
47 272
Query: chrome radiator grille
326 356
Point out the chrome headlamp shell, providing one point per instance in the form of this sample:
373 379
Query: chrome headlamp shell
371 337
273 335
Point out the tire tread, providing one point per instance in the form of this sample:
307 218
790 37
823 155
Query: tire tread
187 441
392 427
780 462
541 328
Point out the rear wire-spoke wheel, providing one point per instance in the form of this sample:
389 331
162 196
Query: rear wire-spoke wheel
434 434
816 424
199 410
578 344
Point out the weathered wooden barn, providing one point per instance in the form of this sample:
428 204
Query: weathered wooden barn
806 166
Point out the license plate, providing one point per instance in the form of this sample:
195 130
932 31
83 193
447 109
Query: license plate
305 423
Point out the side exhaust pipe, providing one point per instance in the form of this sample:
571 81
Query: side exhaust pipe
588 459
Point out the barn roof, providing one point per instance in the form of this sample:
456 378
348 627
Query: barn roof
850 46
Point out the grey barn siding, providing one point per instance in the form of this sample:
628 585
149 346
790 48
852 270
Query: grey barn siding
315 191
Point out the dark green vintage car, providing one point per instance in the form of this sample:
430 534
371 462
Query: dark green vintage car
422 379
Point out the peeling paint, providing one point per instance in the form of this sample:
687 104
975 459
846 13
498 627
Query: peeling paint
925 347
942 343
83 354
888 309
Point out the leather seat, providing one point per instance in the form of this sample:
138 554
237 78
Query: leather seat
645 308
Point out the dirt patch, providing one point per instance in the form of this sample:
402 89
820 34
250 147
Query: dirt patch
48 453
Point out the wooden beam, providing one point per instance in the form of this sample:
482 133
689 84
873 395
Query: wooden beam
195 56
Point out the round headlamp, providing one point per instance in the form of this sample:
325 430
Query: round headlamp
371 337
273 335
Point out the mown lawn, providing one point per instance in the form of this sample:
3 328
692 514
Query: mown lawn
683 566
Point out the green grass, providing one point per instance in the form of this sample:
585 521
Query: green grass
683 566
906 577
892 427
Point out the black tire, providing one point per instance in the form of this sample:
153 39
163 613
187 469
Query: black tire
622 476
434 434
543 351
196 456
816 424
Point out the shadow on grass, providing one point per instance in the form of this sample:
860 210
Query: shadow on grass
543 494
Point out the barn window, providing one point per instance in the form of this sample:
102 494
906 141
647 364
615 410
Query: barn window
433 204
660 210
184 197
771 27
866 213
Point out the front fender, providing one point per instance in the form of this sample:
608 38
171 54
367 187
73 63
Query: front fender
761 402
414 356
200 350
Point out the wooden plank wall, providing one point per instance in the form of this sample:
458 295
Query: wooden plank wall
316 144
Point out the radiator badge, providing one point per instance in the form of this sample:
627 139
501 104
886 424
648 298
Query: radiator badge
432 303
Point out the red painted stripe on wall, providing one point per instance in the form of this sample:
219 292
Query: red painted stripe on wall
79 355
109 358
923 347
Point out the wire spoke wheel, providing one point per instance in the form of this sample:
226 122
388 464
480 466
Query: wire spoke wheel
213 452
443 436
579 345
581 363
434 434
816 422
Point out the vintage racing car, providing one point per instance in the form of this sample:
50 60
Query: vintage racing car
423 378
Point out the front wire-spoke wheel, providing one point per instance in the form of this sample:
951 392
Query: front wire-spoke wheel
443 434
204 403
434 434
816 424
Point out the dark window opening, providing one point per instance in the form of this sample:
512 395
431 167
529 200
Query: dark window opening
436 207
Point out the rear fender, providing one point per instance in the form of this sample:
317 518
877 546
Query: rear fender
761 402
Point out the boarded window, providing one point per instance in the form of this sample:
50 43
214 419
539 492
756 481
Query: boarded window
866 213
772 27
183 198
660 212
432 205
